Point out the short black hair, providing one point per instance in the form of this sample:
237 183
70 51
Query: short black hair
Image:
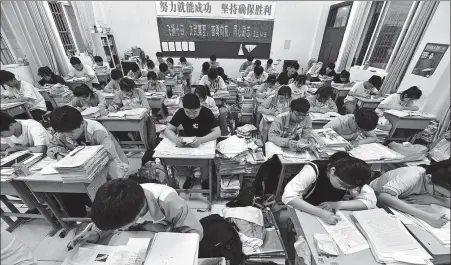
412 92
134 67
150 64
300 104
182 59
202 91
98 59
213 57
212 74
325 92
366 119
163 67
127 84
331 66
250 58
170 60
6 76
5 121
352 171
82 90
300 79
284 90
258 70
295 66
116 74
151 75
345 74
117 203
75 60
270 61
191 101
65 119
258 63
337 156
158 54
205 67
272 79
45 71
376 81
441 173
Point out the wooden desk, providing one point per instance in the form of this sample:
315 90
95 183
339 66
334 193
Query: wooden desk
439 253
415 123
16 108
310 225
72 83
154 102
340 92
368 103
319 124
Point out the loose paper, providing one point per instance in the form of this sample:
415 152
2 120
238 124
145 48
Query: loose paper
171 46
192 46
167 148
178 46
164 46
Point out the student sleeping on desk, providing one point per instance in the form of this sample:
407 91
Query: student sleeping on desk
123 204
319 188
418 185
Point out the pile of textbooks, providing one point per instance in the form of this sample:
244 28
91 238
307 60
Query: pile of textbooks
63 98
328 142
233 92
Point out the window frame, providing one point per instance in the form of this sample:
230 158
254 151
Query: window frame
8 44
63 4
68 25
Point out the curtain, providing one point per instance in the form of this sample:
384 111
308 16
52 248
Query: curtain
32 28
85 17
403 57
442 129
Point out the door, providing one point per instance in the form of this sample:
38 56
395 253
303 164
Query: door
334 32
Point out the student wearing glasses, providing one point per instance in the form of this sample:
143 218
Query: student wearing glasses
404 186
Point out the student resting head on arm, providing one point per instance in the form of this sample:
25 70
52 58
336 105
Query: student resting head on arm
298 87
319 188
23 135
113 85
84 98
49 77
330 70
404 186
402 101
124 204
150 66
362 89
292 129
129 97
357 128
322 101
247 63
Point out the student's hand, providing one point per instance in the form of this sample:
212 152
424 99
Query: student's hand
293 145
196 142
331 218
10 150
148 226
90 236
437 220
330 206
354 143
179 142
420 199
111 109
126 107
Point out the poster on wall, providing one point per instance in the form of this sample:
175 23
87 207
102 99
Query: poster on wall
227 29
429 59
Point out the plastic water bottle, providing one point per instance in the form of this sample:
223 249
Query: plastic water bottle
102 109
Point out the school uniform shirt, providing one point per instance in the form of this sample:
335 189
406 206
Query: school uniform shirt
199 127
87 70
33 134
94 134
249 69
343 126
303 185
281 135
55 79
245 65
360 89
210 103
112 86
104 68
252 78
138 99
217 84
159 87
270 69
91 101
329 104
401 182
14 252
35 99
394 101
298 92
187 70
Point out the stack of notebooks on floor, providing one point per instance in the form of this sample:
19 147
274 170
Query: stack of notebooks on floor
230 187
82 164
177 90
243 163
328 142
173 104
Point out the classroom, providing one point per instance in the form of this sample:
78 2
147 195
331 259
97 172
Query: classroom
225 132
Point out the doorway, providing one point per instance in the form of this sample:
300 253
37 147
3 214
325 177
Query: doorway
334 32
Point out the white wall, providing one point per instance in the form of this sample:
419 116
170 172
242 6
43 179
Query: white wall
135 23
436 94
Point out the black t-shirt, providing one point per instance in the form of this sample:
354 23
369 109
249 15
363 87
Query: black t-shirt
199 127
283 78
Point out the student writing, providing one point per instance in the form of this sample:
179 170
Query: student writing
79 69
298 87
246 63
256 77
113 85
213 81
84 98
322 101
319 188
135 72
187 70
153 84
267 89
362 89
129 97
205 69
213 61
290 74
402 101
49 77
269 67
343 78
100 67
208 102
251 67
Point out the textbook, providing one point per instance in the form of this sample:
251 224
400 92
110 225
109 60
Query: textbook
161 251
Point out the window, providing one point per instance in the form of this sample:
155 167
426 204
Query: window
63 28
74 27
6 55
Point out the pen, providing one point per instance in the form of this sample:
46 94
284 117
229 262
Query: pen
334 211
81 148
80 236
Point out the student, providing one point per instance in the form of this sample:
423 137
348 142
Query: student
208 102
298 87
322 101
402 186
213 81
150 67
187 70
198 122
205 69
213 62
289 74
292 127
319 188
21 91
343 78
274 106
123 204
100 66
164 71
159 56
14 252
402 101
23 135
356 128
251 67
170 63
84 98
222 74
49 77
153 84
267 89
330 70
247 63
269 68
129 97
135 72
113 85
82 70
258 76
362 89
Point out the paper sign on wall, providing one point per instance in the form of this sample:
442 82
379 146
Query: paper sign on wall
430 59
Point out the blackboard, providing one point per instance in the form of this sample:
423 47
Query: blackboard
225 38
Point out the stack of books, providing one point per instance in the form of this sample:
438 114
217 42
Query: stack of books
63 98
328 142
233 92
230 187
82 164
173 104
177 90
247 106
178 69
381 135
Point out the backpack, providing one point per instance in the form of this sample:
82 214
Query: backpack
267 177
220 240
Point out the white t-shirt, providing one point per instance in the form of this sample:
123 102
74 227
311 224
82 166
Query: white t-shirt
214 86
36 100
87 70
252 78
15 252
211 104
360 89
394 101
298 92
401 182
33 134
